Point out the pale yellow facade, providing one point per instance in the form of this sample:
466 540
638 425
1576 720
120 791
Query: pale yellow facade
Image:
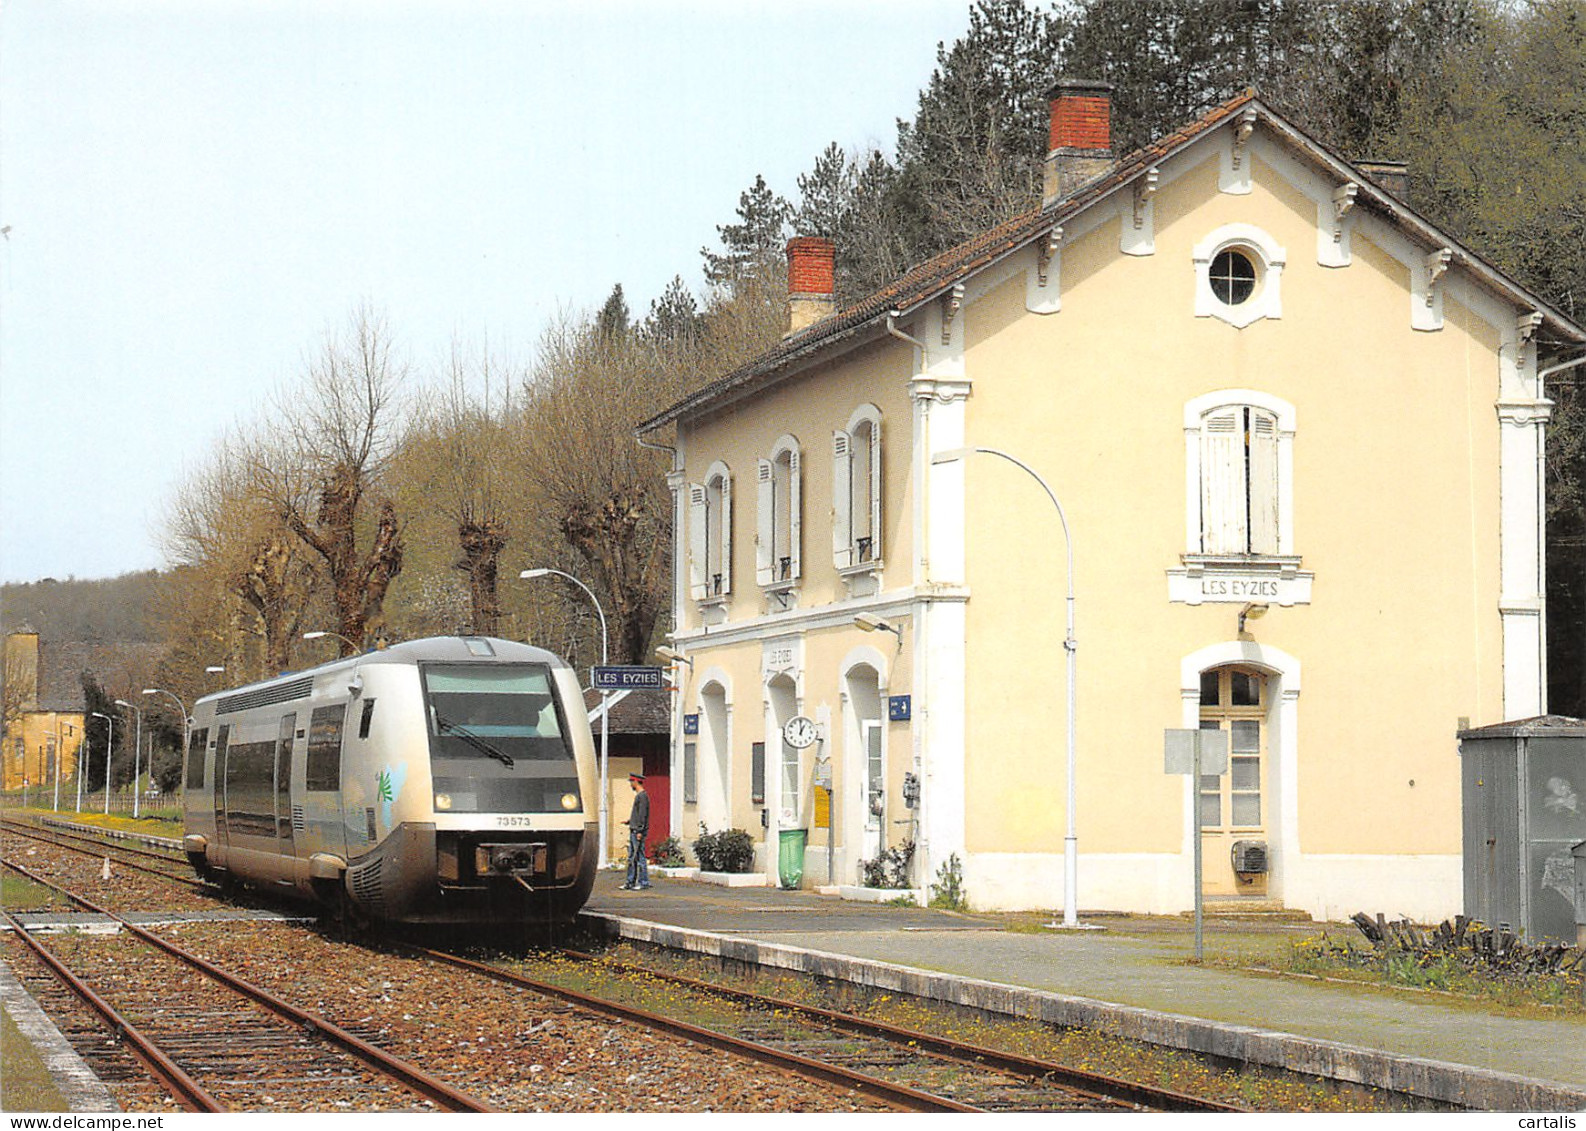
38 747
1391 426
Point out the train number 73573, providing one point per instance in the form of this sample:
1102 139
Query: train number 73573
514 821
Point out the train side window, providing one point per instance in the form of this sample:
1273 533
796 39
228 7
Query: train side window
368 715
324 748
196 749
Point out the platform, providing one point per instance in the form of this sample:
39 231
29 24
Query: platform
1133 980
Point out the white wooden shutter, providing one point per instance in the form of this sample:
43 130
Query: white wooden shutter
1263 482
698 521
764 552
1223 529
875 490
795 511
842 500
725 522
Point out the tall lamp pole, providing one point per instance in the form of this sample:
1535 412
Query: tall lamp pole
137 754
185 723
1070 647
605 703
110 744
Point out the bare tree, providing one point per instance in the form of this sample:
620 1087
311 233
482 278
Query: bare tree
342 429
454 458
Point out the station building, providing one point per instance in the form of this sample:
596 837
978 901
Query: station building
44 715
1295 433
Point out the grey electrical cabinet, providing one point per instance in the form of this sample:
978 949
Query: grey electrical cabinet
1524 791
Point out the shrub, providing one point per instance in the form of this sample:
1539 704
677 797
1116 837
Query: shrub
947 893
668 853
731 850
890 869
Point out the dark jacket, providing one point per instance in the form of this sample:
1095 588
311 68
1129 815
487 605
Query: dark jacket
639 819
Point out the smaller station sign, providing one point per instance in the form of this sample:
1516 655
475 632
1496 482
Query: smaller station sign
627 677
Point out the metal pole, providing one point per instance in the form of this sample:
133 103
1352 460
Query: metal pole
186 737
59 752
83 750
605 706
1195 801
1071 647
110 745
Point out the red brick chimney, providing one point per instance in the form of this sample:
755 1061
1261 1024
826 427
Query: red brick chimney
1080 143
811 280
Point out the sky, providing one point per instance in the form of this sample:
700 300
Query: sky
193 194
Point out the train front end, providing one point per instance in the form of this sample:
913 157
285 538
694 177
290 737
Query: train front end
507 768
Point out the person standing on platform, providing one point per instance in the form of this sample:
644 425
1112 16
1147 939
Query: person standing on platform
638 823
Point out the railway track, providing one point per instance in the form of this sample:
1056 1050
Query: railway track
899 1068
225 1043
1013 1082
142 860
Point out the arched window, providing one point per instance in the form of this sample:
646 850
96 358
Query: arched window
777 550
710 534
856 490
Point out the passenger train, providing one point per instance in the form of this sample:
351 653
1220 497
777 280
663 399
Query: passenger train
447 780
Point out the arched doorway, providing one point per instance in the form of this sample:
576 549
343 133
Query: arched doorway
1236 805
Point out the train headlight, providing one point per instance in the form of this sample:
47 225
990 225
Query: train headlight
443 801
569 801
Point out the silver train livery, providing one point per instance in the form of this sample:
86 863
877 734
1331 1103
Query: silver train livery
447 780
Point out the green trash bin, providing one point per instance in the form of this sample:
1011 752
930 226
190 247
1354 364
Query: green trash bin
790 864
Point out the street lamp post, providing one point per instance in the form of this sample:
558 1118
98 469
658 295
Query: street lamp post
319 632
137 754
181 706
1070 647
605 703
110 744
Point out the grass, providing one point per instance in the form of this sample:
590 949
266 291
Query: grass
25 1083
18 894
165 821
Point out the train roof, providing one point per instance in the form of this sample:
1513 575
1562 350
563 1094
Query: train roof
442 648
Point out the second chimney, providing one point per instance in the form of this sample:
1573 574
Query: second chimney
1080 145
811 280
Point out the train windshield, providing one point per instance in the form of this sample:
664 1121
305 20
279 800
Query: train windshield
497 739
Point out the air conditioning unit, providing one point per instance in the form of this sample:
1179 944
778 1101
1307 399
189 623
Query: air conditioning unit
1250 856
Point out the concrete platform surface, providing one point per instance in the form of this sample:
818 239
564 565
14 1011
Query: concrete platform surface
1133 978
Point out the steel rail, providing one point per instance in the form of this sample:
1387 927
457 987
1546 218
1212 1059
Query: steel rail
51 839
1109 1087
187 1091
76 832
899 1095
408 1073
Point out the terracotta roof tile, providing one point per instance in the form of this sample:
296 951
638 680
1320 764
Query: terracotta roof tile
932 277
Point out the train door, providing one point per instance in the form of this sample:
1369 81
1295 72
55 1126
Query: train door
323 827
1233 804
283 785
218 785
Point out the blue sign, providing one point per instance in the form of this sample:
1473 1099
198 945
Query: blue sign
627 677
691 724
899 708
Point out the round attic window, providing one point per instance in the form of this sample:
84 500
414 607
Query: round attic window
1232 277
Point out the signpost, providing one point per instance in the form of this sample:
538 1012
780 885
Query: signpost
1195 752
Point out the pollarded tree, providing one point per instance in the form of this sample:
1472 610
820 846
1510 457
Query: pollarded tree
341 428
454 466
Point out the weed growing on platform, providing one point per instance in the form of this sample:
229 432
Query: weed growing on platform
947 893
1330 959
